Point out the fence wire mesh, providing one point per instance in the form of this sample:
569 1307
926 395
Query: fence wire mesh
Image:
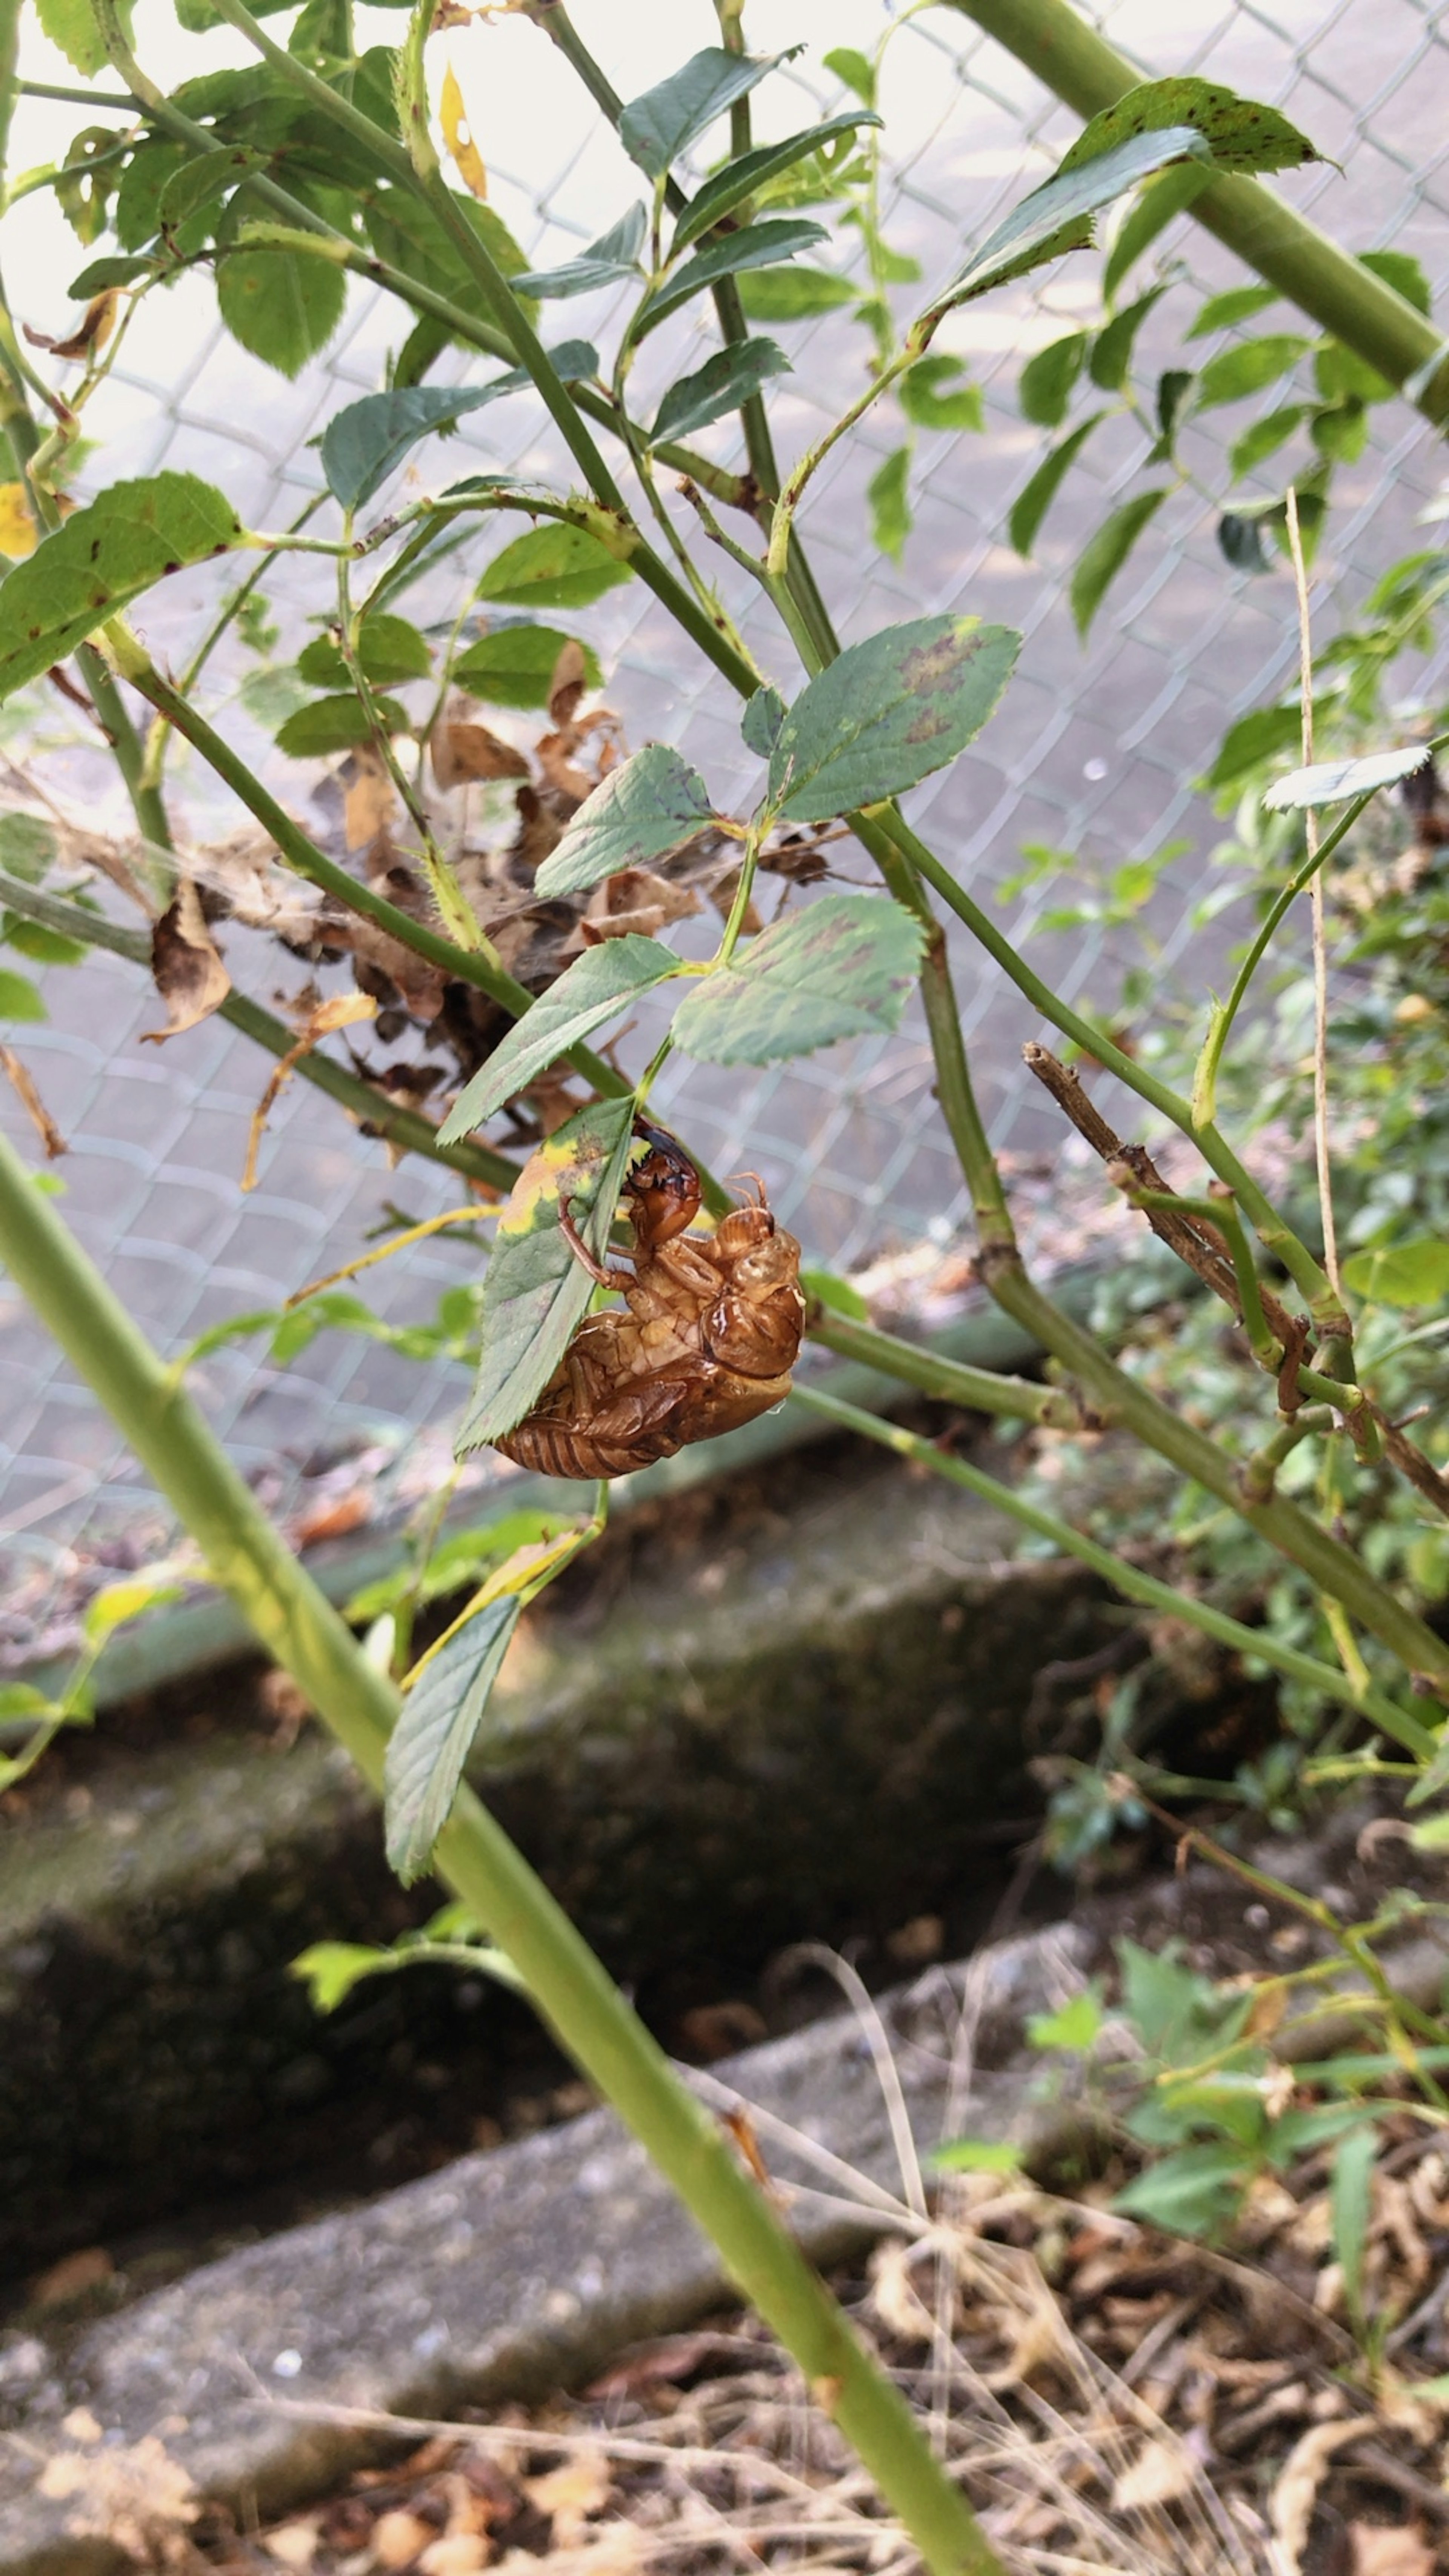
1092 752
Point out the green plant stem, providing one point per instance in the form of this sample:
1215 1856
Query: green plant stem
884 828
1129 1579
979 1390
1221 1214
598 2028
1069 56
70 97
399 1126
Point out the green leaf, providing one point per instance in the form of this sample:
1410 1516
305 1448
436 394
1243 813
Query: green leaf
103 558
514 665
1350 2201
976 2155
22 1699
756 246
330 1969
886 713
1400 270
43 947
1340 432
1103 557
1172 389
614 255
1254 739
435 1733
1111 357
102 273
72 25
388 648
1341 373
1247 368
1032 503
855 69
1224 312
593 989
282 305
835 1294
1057 217
890 510
336 724
1240 536
760 724
1265 436
116 1603
1333 782
536 1290
793 294
558 566
842 969
1044 387
367 441
1401 1274
752 171
649 806
19 999
27 846
921 393
663 122
1195 2191
1160 203
722 384
1240 133
1075 2026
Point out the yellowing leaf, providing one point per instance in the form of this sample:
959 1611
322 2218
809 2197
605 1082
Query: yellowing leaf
467 159
17 528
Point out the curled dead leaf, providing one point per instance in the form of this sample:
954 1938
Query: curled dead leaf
567 684
91 333
190 976
1389 2549
634 900
572 2493
339 1013
1290 2510
462 751
1160 2474
369 799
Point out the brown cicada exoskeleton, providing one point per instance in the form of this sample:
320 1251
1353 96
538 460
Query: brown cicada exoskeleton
708 1335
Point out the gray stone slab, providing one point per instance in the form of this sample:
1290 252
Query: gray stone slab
502 2276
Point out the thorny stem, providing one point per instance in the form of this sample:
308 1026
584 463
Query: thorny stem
1124 1578
371 1108
1320 942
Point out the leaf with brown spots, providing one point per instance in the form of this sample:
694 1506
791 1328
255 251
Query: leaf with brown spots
190 976
887 713
103 558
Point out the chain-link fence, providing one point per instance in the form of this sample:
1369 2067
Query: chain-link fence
1089 753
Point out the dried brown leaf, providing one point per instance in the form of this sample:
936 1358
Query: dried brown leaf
463 751
72 2276
635 900
91 333
1294 2495
571 2493
190 976
293 2545
398 2536
1383 2549
457 2553
369 798
567 684
1161 2473
339 1013
35 1109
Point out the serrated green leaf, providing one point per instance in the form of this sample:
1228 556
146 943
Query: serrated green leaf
282 305
760 724
1111 357
1333 782
1240 133
19 999
104 557
388 648
1342 374
1173 386
793 294
744 177
1400 270
662 122
104 273
923 396
645 809
435 1733
1044 387
336 724
1247 368
536 1290
1340 432
514 665
72 25
890 509
367 441
722 384
1193 2192
842 969
1074 2026
1265 436
592 990
558 566
614 255
1159 204
1224 312
886 713
1032 504
756 246
1401 1274
1255 738
1102 558
855 69
1058 217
